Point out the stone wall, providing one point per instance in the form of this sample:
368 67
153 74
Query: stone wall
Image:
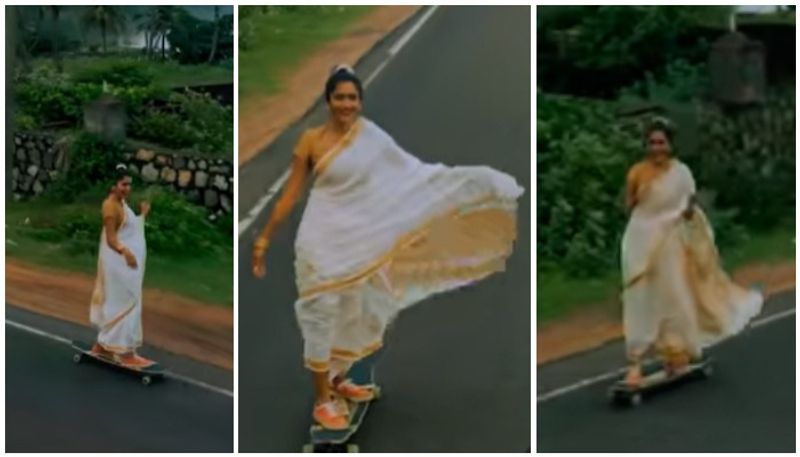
208 182
39 157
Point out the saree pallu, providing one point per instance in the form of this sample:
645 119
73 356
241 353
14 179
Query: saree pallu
116 307
383 230
676 298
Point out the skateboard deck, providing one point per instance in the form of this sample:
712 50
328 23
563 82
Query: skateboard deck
324 440
655 378
83 351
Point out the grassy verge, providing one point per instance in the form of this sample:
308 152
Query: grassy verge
278 42
207 278
558 293
167 74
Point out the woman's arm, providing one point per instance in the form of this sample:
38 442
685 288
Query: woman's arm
284 205
287 200
110 220
631 188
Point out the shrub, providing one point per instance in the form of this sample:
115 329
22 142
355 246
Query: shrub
124 73
191 120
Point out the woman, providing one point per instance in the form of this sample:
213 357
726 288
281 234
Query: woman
381 231
116 307
676 297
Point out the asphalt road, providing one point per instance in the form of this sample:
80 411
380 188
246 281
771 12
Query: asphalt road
456 368
748 405
53 405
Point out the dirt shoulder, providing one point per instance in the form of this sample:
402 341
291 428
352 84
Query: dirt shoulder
597 324
171 322
262 119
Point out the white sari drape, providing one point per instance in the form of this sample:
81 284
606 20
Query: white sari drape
116 308
382 230
677 298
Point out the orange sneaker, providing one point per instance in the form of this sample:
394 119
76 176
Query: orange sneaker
354 392
330 416
135 361
99 350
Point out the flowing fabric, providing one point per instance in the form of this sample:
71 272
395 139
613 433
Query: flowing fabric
677 298
116 308
383 230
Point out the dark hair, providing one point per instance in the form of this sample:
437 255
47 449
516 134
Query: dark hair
660 124
120 172
340 75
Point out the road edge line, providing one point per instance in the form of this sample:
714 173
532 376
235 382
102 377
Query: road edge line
559 391
67 341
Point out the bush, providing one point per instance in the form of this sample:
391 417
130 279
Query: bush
179 228
617 45
91 163
583 154
174 228
748 158
44 101
191 120
126 73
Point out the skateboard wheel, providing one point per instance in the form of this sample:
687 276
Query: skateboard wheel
636 399
77 358
352 449
376 393
308 448
146 380
707 371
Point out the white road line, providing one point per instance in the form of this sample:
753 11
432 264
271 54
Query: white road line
61 339
245 223
36 331
618 372
412 31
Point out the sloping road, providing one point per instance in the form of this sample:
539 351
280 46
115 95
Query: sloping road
456 368
748 405
53 405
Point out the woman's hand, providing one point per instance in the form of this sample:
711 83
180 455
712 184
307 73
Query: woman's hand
130 259
259 250
144 208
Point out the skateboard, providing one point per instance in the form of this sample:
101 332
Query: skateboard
83 351
324 440
655 378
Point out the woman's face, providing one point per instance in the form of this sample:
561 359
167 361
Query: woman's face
658 146
344 103
123 187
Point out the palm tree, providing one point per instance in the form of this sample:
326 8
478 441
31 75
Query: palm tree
159 21
105 17
147 24
215 38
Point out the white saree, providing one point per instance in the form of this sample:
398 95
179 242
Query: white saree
383 230
677 299
116 307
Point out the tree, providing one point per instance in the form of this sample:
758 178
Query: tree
105 18
165 18
215 39
146 23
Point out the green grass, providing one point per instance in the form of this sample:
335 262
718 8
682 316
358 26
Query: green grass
168 74
208 279
558 293
277 43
